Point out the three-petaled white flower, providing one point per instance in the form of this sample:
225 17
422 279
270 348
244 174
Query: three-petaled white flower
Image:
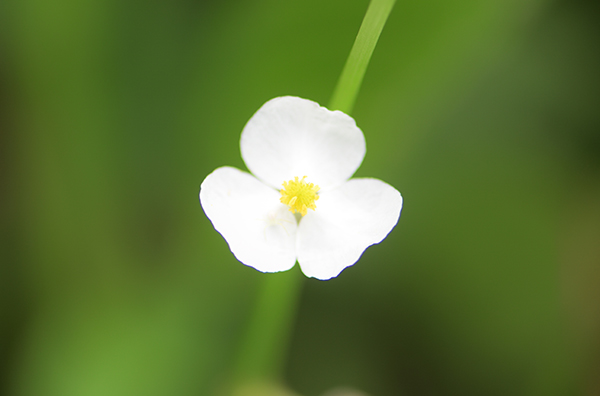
300 204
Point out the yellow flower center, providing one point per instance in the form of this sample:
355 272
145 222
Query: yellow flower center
299 195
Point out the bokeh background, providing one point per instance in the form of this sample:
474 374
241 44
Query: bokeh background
484 114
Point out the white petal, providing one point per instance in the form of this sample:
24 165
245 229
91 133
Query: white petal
260 231
290 136
347 220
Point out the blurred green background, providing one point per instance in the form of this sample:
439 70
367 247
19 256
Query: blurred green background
484 114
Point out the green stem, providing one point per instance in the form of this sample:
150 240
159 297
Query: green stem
351 78
265 344
264 347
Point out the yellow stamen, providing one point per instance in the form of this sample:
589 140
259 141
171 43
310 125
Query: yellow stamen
299 195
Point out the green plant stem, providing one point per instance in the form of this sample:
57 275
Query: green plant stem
264 347
352 75
265 344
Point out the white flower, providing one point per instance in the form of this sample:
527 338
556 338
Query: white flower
302 157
